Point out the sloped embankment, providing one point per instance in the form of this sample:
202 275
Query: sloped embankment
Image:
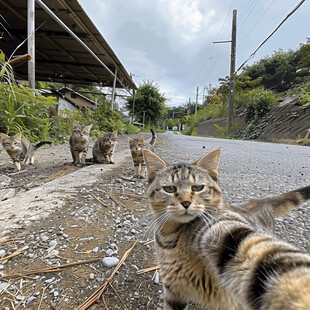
285 121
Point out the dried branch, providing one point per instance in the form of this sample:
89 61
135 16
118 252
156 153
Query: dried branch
9 240
47 270
118 202
96 295
148 269
10 256
128 195
99 200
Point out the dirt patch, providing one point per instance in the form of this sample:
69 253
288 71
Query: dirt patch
73 226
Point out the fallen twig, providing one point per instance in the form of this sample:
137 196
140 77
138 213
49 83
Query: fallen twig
148 269
47 270
96 295
9 240
119 297
99 200
10 256
118 202
129 195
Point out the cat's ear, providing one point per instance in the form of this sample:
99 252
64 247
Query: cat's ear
130 140
18 136
103 133
141 139
76 123
115 133
4 136
153 164
88 128
210 163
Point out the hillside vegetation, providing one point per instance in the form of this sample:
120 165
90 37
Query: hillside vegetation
257 88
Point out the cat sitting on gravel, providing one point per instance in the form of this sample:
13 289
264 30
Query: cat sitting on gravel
103 150
79 142
136 147
20 150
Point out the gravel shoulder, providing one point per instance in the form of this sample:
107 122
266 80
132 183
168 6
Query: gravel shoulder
55 218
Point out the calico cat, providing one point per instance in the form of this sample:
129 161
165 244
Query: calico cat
219 256
136 147
104 147
79 142
20 150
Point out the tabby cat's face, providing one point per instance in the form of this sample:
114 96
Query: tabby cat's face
137 145
11 143
109 138
81 131
183 191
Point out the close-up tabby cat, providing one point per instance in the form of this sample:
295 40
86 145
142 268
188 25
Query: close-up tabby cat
103 150
79 142
219 256
136 147
20 150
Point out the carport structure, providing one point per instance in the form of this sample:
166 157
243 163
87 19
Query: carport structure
64 45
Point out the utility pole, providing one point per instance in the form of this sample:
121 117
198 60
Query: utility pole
196 101
189 106
232 72
31 42
231 94
133 105
203 95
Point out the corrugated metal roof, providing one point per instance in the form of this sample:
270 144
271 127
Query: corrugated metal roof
59 57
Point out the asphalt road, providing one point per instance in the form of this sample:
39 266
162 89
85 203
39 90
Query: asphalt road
250 169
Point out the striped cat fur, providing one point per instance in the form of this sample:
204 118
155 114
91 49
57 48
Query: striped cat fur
219 256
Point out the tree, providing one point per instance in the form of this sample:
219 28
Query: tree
148 100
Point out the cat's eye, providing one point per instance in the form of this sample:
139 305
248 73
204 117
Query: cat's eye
170 189
197 188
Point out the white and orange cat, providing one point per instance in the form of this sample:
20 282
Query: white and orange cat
219 256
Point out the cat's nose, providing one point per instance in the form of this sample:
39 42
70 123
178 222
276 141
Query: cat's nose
186 204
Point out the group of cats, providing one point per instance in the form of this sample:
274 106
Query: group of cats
219 256
22 151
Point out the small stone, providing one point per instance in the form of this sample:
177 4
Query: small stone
65 236
96 249
1 266
83 285
109 262
2 253
92 276
30 299
156 279
44 238
52 243
3 285
56 294
109 252
50 280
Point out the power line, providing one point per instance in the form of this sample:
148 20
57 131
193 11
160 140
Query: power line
211 47
256 22
271 34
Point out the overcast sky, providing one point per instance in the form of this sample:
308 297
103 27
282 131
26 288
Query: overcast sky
169 42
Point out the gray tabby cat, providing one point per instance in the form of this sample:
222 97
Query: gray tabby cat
103 150
79 142
136 147
218 256
20 150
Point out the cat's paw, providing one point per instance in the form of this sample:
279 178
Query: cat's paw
112 162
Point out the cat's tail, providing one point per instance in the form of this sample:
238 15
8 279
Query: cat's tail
283 203
154 137
41 143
